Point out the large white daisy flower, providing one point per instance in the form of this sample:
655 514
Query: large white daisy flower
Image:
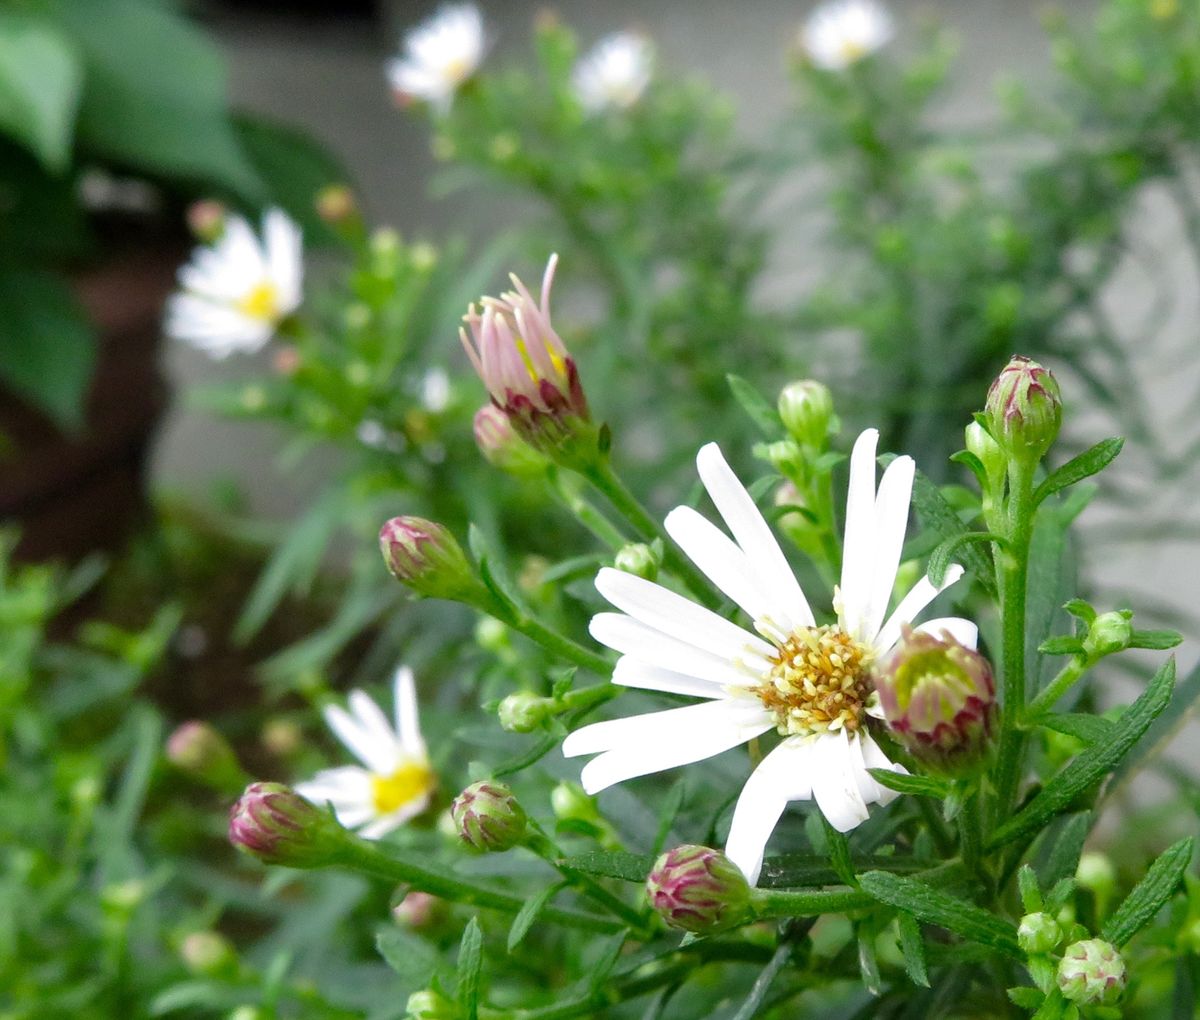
615 73
842 32
235 293
807 682
396 780
440 54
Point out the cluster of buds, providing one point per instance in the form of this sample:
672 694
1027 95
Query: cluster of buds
427 558
274 823
529 373
1092 973
488 817
1024 410
698 889
939 698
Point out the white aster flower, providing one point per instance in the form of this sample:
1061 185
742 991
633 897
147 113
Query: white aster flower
440 54
395 780
807 682
234 293
615 73
841 32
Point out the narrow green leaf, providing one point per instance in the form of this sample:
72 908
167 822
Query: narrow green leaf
470 961
519 762
1159 640
528 914
609 954
937 907
1093 764
939 516
1078 468
839 853
1147 897
1053 1008
40 81
912 945
868 964
919 786
755 405
1062 858
1031 894
1063 644
611 864
1091 729
411 957
762 984
1026 997
666 816
945 553
1184 699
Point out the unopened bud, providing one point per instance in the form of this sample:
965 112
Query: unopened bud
1038 933
336 205
639 559
806 408
523 712
428 1004
698 889
570 802
785 456
488 817
1095 872
425 556
199 750
282 737
275 824
1092 973
502 447
939 698
206 219
420 910
207 953
1108 633
1024 409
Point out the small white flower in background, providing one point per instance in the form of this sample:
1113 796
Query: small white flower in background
809 683
440 54
615 73
842 32
395 781
435 390
234 293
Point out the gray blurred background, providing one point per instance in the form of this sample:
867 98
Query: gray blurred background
325 73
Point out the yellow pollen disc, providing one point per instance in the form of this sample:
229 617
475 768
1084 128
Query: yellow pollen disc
819 682
852 50
410 782
261 302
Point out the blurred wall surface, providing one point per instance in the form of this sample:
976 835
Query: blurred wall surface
324 72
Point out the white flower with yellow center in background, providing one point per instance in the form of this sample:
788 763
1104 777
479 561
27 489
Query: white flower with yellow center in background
396 781
808 683
235 292
615 73
440 54
842 32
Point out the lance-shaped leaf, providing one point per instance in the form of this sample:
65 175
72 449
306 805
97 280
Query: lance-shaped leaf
939 516
1147 897
470 962
1078 468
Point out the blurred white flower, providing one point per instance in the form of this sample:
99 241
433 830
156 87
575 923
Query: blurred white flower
809 683
397 780
435 390
234 293
615 73
842 32
440 54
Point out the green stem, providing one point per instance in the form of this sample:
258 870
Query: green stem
1013 559
537 631
806 902
970 831
1067 677
587 515
602 476
367 858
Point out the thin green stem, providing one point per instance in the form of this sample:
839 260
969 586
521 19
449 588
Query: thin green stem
1067 677
1013 560
537 631
367 858
767 903
602 476
587 515
970 832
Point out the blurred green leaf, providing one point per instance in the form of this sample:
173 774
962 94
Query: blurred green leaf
1147 897
410 956
529 913
40 79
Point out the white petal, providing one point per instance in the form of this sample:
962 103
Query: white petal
874 758
384 824
631 672
408 726
835 785
858 550
783 775
923 592
963 631
680 618
379 759
344 783
719 559
376 727
627 635
752 533
891 522
672 726
283 242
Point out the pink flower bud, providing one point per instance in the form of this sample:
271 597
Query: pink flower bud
272 822
425 556
488 817
698 889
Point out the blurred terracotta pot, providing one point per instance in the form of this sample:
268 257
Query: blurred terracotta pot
71 495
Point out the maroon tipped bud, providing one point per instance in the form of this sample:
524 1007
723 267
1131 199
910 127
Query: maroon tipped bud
698 889
198 749
1092 973
939 698
488 817
1024 409
275 824
425 556
336 205
502 447
420 910
206 219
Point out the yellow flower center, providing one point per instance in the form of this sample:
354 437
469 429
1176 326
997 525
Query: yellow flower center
261 302
410 782
457 70
852 50
819 682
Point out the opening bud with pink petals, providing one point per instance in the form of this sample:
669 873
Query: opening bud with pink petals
698 889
